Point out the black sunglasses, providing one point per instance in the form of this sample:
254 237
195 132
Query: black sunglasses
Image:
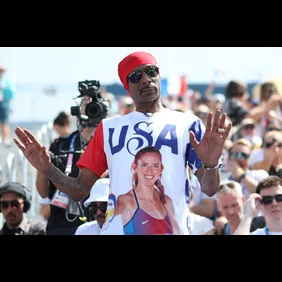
136 75
239 156
14 204
272 129
249 127
268 145
267 200
94 209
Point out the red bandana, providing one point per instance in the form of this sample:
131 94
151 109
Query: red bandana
131 62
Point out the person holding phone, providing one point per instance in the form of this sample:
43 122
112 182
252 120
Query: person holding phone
269 157
268 199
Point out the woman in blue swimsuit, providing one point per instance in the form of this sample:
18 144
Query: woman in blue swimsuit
146 210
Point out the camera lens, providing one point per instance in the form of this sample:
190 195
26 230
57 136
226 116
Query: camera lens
93 110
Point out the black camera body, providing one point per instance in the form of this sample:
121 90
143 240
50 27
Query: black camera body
96 110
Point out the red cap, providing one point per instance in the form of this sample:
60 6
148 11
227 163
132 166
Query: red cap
131 62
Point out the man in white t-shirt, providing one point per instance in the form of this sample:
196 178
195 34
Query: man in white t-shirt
98 202
268 198
197 224
180 138
202 204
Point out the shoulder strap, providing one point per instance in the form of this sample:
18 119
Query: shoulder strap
226 229
135 198
70 155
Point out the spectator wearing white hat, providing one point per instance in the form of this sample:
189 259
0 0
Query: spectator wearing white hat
248 130
97 204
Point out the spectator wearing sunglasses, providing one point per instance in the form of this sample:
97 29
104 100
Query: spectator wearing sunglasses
181 138
239 169
15 200
268 199
269 157
97 204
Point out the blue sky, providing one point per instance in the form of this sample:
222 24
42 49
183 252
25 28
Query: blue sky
51 65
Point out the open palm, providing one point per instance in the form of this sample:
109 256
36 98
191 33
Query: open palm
209 149
36 154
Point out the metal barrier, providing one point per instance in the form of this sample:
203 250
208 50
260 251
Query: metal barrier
18 169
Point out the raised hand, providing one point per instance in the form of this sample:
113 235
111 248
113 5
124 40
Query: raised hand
36 154
209 150
252 205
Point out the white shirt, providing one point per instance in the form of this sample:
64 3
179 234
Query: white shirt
168 131
257 175
262 231
256 156
199 225
89 228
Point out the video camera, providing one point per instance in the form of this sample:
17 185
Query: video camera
96 110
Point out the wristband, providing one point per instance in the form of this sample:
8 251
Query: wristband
210 168
242 177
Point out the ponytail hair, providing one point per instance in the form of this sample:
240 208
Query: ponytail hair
134 179
160 187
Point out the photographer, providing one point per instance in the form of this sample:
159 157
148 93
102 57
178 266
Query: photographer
65 213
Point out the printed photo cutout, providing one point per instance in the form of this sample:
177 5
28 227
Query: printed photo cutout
146 209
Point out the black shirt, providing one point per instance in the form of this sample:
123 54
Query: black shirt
57 222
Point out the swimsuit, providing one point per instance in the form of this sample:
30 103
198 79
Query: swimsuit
142 223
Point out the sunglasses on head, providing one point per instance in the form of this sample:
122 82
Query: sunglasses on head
267 200
136 75
239 156
5 204
94 209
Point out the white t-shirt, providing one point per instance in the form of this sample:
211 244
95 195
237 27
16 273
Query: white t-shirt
89 228
257 175
263 231
256 156
118 139
199 225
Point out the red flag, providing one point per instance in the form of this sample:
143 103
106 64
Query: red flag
183 85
